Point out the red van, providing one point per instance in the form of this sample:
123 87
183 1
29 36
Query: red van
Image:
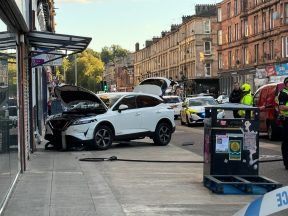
264 98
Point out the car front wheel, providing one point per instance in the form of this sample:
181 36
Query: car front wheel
162 134
103 137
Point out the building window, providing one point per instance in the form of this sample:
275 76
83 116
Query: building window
207 47
271 49
246 28
284 47
237 57
236 31
245 56
207 27
219 14
229 59
271 20
256 53
229 34
256 24
235 7
220 37
228 10
264 21
286 13
207 69
220 61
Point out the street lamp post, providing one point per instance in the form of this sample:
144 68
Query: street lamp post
76 72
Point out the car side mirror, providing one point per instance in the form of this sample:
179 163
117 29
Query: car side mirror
122 107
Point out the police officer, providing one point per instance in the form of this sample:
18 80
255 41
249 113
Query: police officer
283 107
247 98
235 97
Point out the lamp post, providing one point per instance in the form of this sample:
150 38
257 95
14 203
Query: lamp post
76 72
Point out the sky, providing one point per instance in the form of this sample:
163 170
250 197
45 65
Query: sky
120 22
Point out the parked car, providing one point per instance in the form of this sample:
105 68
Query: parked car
193 110
223 99
150 84
264 98
123 116
175 103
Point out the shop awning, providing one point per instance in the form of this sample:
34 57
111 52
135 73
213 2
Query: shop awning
55 44
7 41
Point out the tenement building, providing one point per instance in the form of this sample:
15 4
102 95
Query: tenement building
252 42
187 53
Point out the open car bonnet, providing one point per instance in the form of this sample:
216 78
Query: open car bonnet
70 95
154 85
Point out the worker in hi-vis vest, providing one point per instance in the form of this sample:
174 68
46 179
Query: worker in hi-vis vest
246 99
283 108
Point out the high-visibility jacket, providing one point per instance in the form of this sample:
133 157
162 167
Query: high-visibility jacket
246 100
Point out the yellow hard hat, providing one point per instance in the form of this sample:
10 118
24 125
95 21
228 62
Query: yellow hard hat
246 87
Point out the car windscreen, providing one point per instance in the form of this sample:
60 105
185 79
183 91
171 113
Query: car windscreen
202 102
110 99
172 100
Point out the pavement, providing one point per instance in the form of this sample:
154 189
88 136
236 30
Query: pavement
58 184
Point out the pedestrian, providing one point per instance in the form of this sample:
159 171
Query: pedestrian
247 98
283 107
235 97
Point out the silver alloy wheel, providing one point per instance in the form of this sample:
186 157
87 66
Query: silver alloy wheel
164 133
103 138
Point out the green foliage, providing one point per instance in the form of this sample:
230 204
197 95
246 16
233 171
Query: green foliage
12 78
108 54
89 69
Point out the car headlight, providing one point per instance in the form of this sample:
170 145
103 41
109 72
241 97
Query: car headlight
83 121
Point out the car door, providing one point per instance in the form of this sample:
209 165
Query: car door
150 115
126 121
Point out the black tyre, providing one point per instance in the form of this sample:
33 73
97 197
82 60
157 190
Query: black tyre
162 135
103 137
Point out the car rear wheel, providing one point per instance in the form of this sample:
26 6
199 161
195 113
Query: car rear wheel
103 137
162 134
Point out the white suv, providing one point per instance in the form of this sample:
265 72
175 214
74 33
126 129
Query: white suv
99 120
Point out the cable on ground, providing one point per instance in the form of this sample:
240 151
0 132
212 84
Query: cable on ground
114 158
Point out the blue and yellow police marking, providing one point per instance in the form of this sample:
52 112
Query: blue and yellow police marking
270 203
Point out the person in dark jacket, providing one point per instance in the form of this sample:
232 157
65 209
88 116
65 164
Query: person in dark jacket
235 97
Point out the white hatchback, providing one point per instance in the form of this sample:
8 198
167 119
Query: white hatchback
88 120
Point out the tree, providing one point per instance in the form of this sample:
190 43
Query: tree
89 69
109 54
12 78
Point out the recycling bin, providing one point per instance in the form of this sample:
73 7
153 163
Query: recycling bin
231 145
